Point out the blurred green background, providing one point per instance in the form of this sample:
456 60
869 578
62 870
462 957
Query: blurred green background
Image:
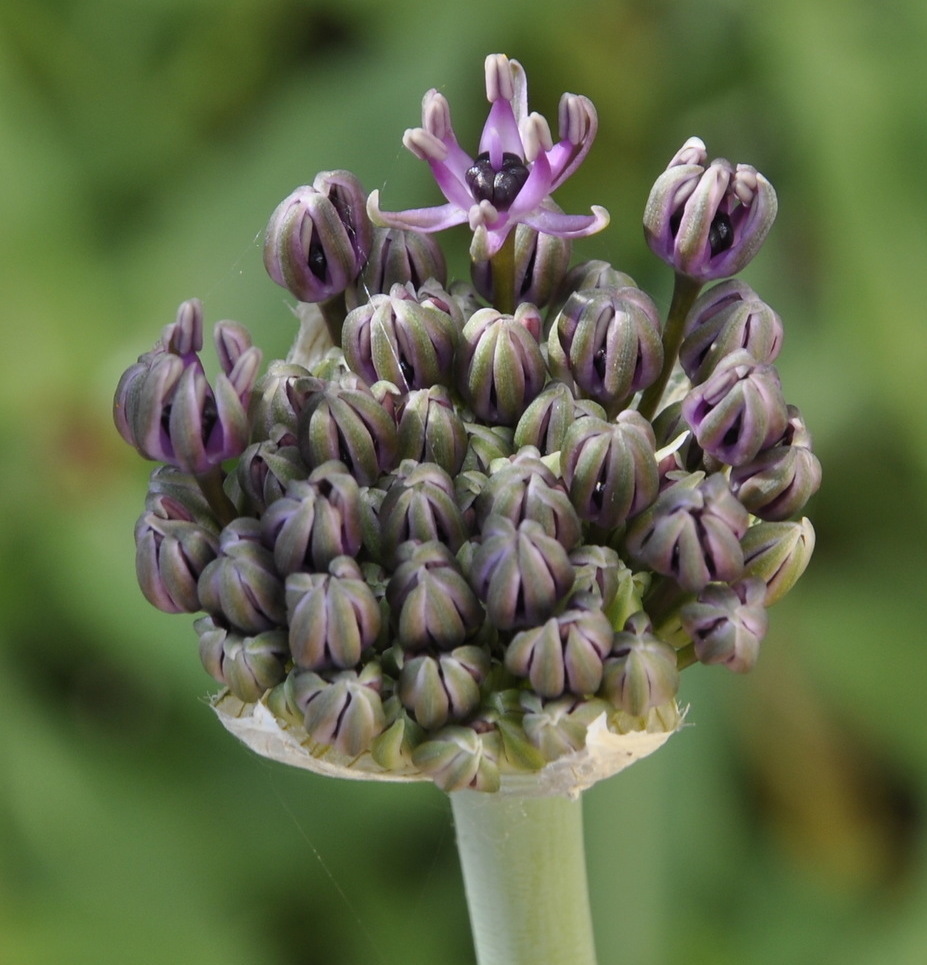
142 147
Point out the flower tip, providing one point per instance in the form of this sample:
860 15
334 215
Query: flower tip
373 209
500 83
426 145
692 152
535 136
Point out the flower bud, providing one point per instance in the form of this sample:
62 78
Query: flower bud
500 367
608 342
430 600
692 533
678 454
585 275
171 551
421 507
278 398
266 468
333 616
558 727
351 426
456 758
641 673
520 573
728 317
525 488
430 430
777 554
318 237
346 712
166 409
248 666
398 257
738 411
610 469
727 623
393 337
241 585
447 687
600 571
315 521
485 444
564 654
541 261
545 422
708 221
779 481
173 494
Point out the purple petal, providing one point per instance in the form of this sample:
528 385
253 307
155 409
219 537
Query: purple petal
416 219
501 134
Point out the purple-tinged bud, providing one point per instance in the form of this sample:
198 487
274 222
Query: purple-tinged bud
610 469
346 712
171 551
351 426
526 488
166 409
608 343
393 337
727 623
777 554
278 398
500 367
558 727
545 422
728 317
432 294
420 505
738 411
541 261
692 533
457 758
316 520
484 445
430 430
318 238
398 257
600 571
564 654
520 573
241 586
173 494
429 598
248 666
333 616
266 468
779 481
709 221
585 275
445 688
641 673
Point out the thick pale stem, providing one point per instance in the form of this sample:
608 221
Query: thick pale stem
685 291
524 870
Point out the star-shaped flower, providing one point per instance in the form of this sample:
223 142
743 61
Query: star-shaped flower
517 167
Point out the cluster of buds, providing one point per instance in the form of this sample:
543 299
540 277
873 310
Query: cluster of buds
462 521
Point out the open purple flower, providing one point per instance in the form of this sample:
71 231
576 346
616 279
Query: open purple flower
516 169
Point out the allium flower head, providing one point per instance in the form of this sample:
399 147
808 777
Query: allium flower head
517 167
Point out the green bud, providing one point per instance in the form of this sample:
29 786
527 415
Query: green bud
456 758
447 687
777 554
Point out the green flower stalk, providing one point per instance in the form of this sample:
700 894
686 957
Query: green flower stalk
453 538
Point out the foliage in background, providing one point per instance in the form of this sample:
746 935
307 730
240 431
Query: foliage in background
143 147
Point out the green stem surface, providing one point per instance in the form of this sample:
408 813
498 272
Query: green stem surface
685 291
524 868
